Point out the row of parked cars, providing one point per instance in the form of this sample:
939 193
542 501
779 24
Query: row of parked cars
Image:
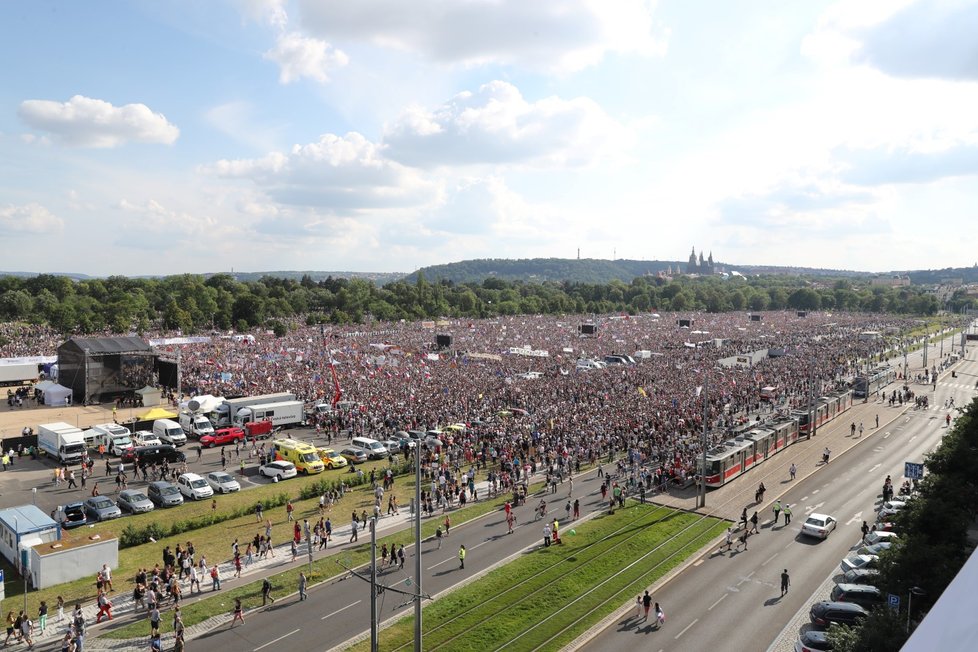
189 486
856 593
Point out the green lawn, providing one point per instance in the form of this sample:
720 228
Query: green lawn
545 599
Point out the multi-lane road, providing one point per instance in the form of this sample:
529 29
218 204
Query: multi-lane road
732 601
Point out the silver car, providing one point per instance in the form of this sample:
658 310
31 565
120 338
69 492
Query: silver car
135 502
164 494
101 508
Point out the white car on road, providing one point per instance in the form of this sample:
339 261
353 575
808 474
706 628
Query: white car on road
222 482
278 470
818 525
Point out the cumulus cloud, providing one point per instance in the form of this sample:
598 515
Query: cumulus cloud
569 35
301 56
153 217
86 122
271 12
497 125
871 167
337 173
28 219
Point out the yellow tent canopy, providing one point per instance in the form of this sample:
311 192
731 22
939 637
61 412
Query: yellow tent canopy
157 413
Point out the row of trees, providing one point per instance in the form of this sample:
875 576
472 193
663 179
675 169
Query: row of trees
193 303
933 541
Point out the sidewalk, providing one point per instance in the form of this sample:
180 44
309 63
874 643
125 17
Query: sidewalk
123 605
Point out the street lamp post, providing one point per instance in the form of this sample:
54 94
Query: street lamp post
706 407
417 547
914 590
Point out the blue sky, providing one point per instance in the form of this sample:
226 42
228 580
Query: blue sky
382 135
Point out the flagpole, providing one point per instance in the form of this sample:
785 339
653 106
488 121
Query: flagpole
706 405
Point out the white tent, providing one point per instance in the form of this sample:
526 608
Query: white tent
55 394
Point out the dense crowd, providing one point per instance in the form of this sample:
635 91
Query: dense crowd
393 377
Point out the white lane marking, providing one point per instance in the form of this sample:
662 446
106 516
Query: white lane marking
886 434
718 601
876 466
686 628
275 641
440 563
912 438
341 609
769 559
817 490
804 498
855 517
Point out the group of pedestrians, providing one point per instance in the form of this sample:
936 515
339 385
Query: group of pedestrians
644 604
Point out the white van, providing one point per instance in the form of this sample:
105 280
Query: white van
373 448
169 432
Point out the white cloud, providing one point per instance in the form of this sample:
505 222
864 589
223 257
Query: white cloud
341 174
28 219
497 125
86 122
271 12
301 56
180 226
569 35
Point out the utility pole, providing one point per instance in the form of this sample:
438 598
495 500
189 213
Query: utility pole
374 644
417 545
811 400
706 413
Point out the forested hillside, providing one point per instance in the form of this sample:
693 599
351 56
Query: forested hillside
195 304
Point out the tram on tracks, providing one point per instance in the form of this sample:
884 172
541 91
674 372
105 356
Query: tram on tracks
871 383
751 444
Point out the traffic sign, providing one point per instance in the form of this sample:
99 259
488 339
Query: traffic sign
893 601
913 470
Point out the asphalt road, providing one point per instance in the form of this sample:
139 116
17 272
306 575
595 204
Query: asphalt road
340 610
732 601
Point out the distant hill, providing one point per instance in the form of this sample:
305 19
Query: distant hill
938 276
587 270
378 278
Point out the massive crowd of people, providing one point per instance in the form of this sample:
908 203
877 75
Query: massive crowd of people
521 404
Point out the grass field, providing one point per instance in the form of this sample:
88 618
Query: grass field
288 581
545 599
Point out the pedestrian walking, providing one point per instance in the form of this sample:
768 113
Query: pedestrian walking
353 531
785 581
448 524
877 421
215 578
860 428
743 518
753 523
729 539
546 535
461 557
792 471
302 586
577 508
777 510
438 536
646 604
266 592
787 514
238 612
259 512
865 530
743 539
660 616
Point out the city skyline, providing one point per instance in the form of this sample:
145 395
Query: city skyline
149 139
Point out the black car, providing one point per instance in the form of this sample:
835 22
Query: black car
865 595
826 612
73 515
813 641
154 455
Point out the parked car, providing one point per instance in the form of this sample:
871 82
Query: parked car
890 508
858 561
146 438
101 508
223 437
878 536
164 494
135 501
861 576
813 641
818 525
876 548
392 445
865 595
154 455
354 455
826 612
222 482
279 470
331 459
194 487
73 515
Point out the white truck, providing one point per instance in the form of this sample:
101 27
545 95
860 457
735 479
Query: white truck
116 439
282 414
62 441
196 425
227 412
